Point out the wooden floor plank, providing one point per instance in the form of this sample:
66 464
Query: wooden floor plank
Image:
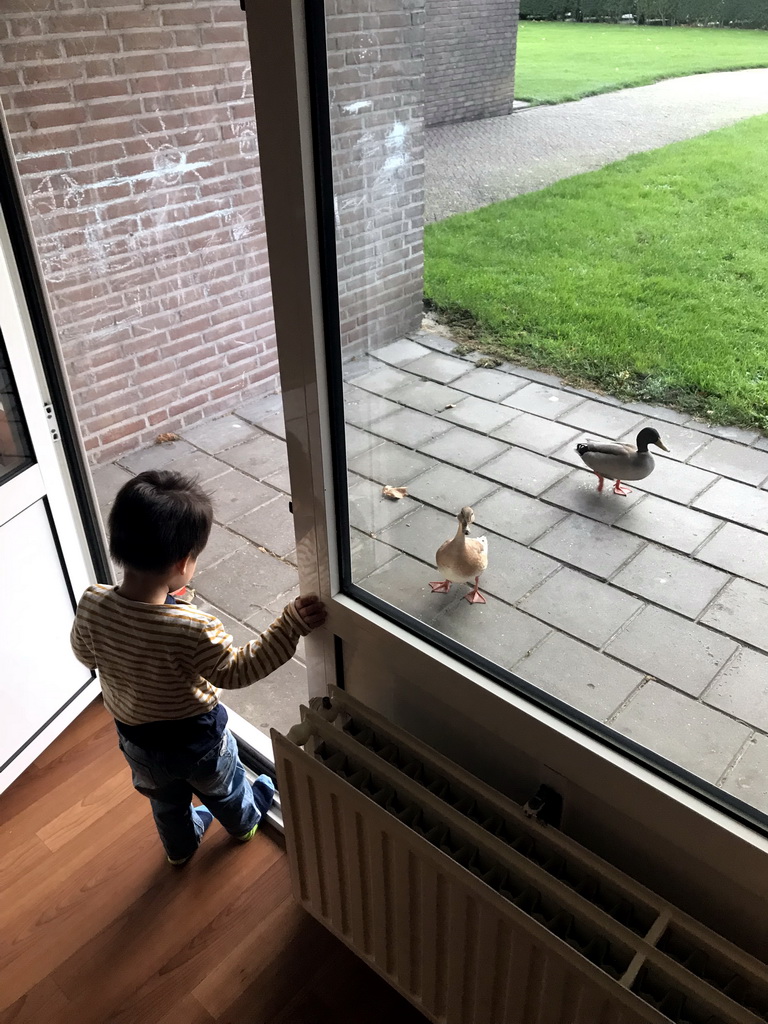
46 879
81 907
282 969
252 961
40 1004
58 788
97 928
17 865
169 937
186 1011
75 818
92 719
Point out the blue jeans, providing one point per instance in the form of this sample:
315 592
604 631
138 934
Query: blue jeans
169 779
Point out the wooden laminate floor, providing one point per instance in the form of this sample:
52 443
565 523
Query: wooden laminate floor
96 927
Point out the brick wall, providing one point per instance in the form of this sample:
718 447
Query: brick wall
376 82
132 122
470 63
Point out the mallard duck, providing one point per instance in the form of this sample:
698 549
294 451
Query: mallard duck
621 461
461 560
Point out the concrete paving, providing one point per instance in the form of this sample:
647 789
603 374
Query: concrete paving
473 164
649 613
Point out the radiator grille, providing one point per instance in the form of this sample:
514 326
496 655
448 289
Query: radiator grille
476 913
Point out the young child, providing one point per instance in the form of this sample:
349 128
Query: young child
161 664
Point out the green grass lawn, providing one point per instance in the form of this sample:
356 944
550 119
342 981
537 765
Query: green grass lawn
558 61
648 278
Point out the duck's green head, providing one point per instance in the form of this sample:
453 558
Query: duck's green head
649 435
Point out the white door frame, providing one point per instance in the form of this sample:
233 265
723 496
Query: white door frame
58 476
709 862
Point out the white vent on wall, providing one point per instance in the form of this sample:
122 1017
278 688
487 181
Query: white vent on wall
477 913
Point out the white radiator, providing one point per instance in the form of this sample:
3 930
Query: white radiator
476 913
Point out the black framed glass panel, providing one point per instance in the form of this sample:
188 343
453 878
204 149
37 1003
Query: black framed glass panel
15 447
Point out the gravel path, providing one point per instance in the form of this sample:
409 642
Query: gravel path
480 162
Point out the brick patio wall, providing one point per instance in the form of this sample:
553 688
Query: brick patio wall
470 66
133 128
132 123
376 82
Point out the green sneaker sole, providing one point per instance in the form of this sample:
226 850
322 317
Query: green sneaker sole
248 835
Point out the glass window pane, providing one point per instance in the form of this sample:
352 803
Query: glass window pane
15 448
635 600
134 136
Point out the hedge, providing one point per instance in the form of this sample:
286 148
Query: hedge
742 13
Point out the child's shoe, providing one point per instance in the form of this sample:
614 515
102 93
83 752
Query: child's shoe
263 795
206 817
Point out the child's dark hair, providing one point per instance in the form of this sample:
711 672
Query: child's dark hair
157 519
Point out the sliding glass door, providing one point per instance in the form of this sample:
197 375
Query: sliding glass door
593 653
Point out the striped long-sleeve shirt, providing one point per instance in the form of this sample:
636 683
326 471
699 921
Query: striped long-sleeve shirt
167 662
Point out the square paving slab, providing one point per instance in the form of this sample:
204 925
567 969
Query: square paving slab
579 676
450 489
270 527
682 730
516 515
367 555
369 511
514 569
233 494
498 632
221 544
578 492
525 471
493 385
358 441
427 396
738 550
384 379
675 480
668 523
402 352
585 544
674 650
465 448
266 412
733 460
262 455
404 582
200 466
741 688
438 367
478 414
671 580
536 433
748 780
215 435
581 606
409 427
362 409
731 500
608 420
741 610
156 456
390 463
245 582
543 400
